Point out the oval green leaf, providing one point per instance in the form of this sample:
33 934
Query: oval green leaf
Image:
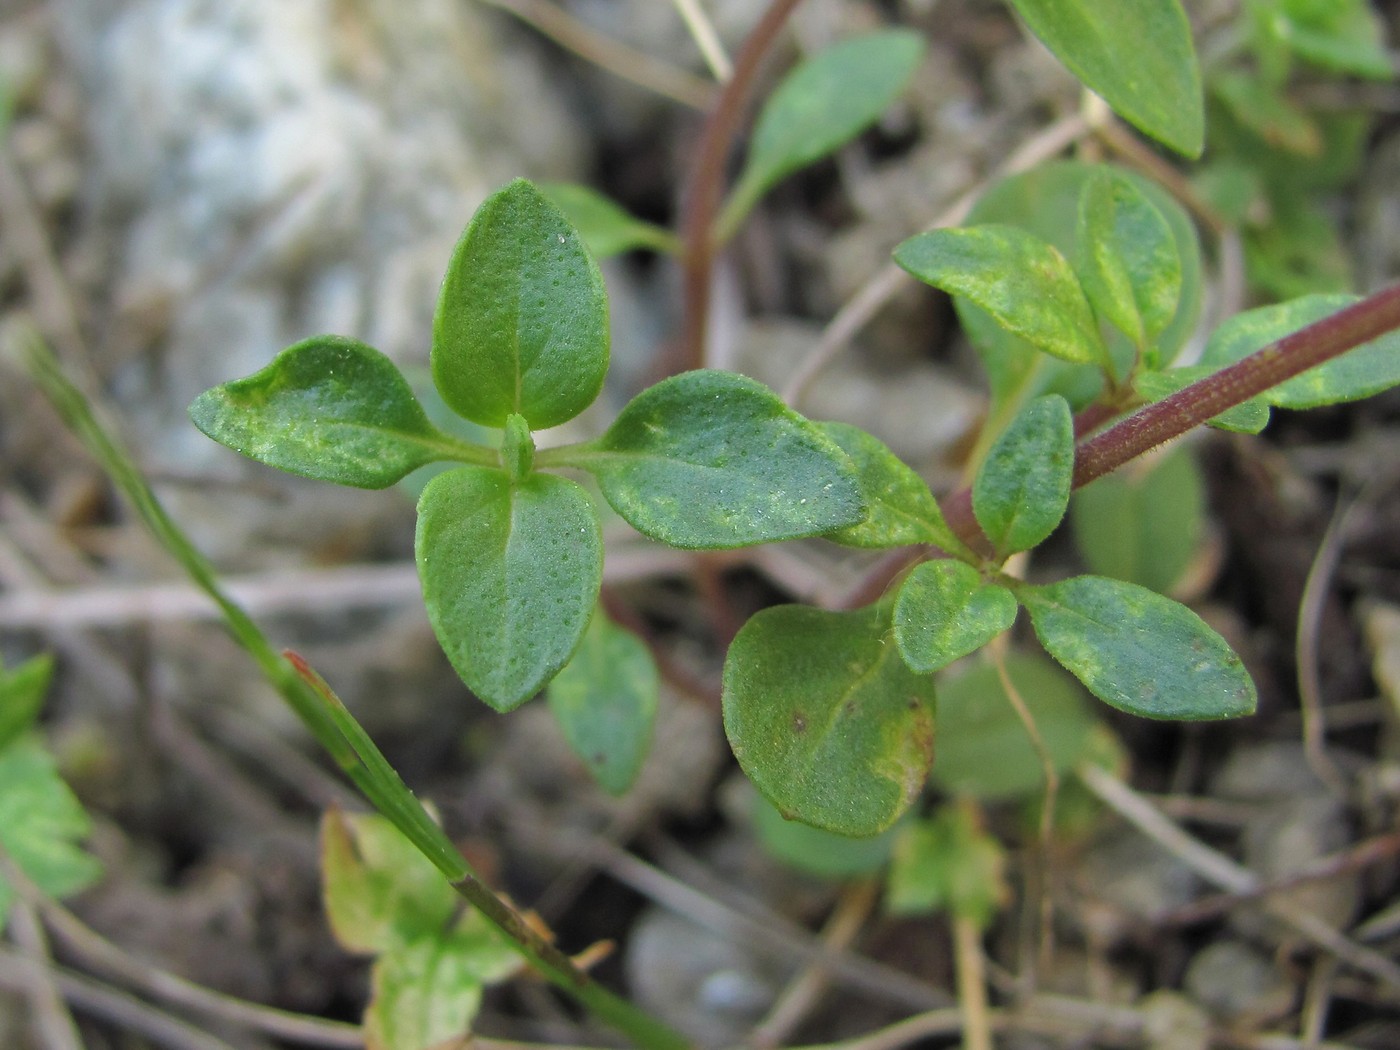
1362 372
605 226
1142 523
824 854
1045 201
984 749
821 105
328 408
949 861
945 610
605 702
712 460
902 510
1138 651
826 719
1022 489
522 321
1126 258
1137 54
1021 280
510 576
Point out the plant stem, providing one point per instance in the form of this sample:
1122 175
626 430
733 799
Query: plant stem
323 713
707 182
1158 423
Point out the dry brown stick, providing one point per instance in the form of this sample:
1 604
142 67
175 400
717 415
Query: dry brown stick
806 988
118 1008
1227 874
100 954
30 605
606 53
1315 588
1358 857
53 1025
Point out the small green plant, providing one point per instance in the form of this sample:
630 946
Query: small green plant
41 821
1078 285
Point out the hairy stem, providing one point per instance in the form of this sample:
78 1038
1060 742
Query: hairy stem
707 181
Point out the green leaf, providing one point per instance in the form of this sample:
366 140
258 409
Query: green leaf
1137 54
328 408
814 851
1138 651
380 892
605 701
1344 36
826 719
510 576
948 861
1022 281
429 991
1248 417
40 822
1366 370
384 897
903 511
22 693
1142 523
1268 113
821 105
713 460
604 225
1045 201
1022 489
522 322
984 749
1126 257
945 610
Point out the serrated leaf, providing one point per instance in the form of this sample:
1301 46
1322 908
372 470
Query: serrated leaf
1022 281
984 749
814 851
1361 372
1045 201
1248 417
821 105
1138 651
380 892
1142 523
1137 54
945 610
1022 488
328 408
22 693
713 460
902 510
510 576
948 861
522 321
1126 258
40 823
429 990
826 719
605 226
605 702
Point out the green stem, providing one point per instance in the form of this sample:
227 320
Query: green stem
707 184
331 723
